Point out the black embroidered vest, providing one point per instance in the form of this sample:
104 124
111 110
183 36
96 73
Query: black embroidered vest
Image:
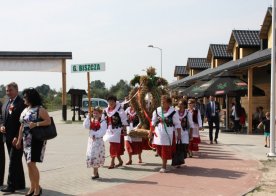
168 120
114 120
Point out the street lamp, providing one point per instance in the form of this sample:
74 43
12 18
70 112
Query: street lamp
151 46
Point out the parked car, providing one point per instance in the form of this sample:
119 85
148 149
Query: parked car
94 103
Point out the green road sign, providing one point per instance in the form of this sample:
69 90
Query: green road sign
88 67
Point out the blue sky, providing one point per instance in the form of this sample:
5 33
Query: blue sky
118 32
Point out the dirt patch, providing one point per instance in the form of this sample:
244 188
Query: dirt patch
267 185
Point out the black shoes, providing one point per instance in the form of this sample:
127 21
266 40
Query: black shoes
95 177
216 141
40 192
30 194
8 190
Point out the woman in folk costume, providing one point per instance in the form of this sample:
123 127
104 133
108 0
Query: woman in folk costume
133 145
194 124
116 119
165 120
183 117
95 154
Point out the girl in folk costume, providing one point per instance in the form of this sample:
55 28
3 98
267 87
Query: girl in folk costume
183 117
165 120
116 119
95 154
133 145
194 124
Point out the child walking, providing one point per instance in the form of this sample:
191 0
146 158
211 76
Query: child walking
95 154
266 124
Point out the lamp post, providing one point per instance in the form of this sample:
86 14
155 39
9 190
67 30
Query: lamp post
151 46
272 87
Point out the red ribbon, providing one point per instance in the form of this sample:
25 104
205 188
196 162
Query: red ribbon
151 126
109 120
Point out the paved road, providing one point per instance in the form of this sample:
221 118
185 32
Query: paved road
228 168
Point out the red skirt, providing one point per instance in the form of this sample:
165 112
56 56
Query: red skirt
193 145
165 152
122 142
117 149
145 144
134 147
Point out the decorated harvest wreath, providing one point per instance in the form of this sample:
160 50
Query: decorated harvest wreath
145 98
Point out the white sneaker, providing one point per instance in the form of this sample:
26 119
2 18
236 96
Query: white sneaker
162 170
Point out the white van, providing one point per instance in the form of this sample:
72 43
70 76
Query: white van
102 103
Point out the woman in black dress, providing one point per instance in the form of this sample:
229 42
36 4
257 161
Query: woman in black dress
32 116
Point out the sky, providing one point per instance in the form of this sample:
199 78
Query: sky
118 33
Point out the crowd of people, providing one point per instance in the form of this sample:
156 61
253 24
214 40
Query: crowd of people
170 126
174 133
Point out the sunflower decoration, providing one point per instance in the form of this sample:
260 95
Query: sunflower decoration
147 90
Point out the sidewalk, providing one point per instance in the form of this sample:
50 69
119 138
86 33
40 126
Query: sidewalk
228 168
216 170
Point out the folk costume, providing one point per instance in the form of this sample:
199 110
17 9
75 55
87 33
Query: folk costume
95 154
183 118
133 144
194 124
115 119
165 122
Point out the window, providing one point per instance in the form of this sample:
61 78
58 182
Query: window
94 103
103 104
85 104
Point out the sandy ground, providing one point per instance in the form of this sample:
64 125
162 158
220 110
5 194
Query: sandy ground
267 185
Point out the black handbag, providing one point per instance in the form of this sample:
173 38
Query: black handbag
179 155
42 133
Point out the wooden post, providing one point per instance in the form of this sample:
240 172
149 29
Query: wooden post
250 100
63 99
88 93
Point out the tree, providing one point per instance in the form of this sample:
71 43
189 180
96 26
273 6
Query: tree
2 90
43 90
98 89
51 98
120 90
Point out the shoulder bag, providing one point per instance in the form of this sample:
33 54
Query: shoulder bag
44 132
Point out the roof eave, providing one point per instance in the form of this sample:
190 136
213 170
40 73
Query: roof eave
231 43
34 55
256 57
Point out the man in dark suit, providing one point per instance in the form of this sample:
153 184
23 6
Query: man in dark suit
11 111
2 152
212 114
